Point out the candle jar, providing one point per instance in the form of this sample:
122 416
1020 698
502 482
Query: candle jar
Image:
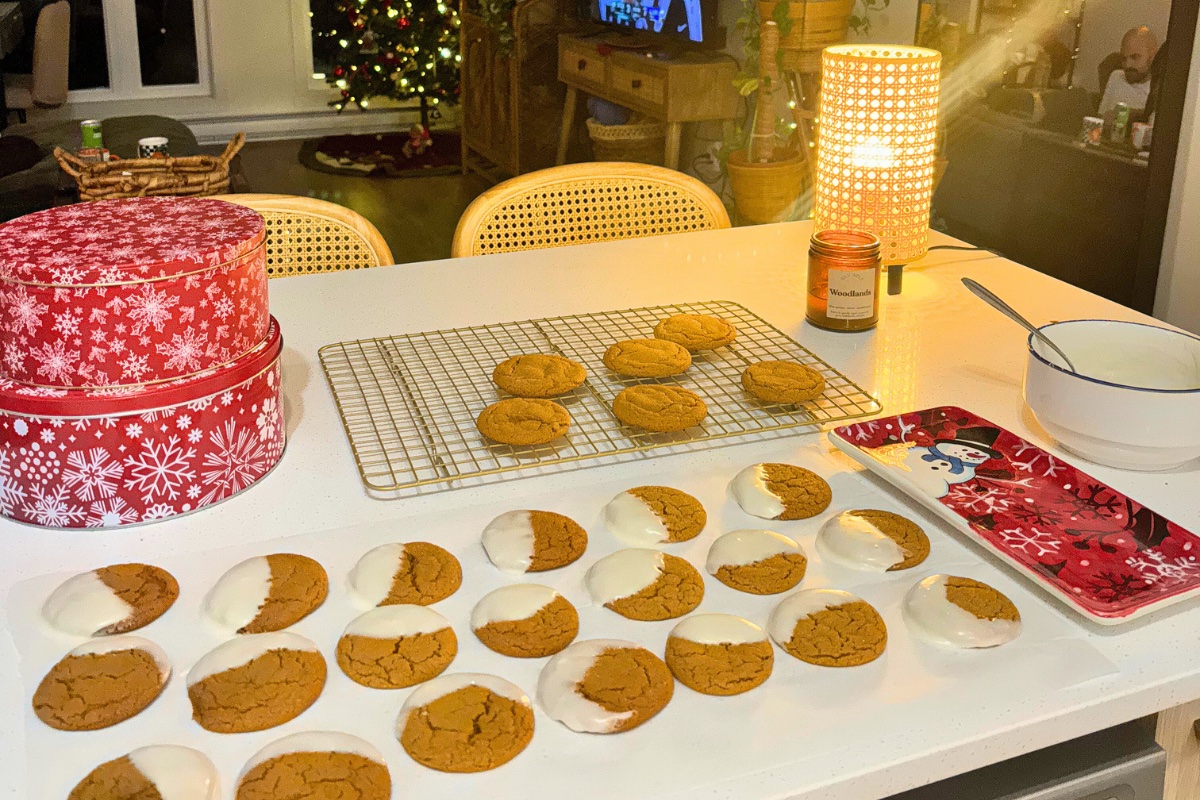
843 280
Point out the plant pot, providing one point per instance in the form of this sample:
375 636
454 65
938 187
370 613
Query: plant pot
816 24
766 192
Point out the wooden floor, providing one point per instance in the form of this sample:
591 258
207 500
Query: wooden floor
415 215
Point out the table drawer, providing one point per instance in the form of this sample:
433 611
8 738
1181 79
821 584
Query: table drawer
647 88
580 64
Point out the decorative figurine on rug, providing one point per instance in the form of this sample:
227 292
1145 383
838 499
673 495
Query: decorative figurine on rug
418 142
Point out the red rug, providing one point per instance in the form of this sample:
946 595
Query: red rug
381 155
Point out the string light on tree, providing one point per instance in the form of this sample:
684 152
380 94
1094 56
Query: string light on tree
395 49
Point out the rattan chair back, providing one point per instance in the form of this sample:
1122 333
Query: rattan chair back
306 235
581 203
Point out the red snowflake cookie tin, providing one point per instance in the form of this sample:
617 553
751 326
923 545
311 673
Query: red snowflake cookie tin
103 458
1105 555
126 292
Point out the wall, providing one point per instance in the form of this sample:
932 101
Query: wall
258 81
896 24
1104 23
1178 299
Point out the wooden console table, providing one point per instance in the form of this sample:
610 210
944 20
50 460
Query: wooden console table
686 87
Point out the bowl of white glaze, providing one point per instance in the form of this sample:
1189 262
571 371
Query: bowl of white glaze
1134 402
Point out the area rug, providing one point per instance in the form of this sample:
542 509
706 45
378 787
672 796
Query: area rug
381 155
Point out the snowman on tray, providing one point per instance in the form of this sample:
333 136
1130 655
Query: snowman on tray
934 469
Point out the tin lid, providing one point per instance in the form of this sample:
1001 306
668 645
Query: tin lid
134 240
36 401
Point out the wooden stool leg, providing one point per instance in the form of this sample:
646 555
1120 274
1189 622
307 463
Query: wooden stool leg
568 122
1179 734
674 133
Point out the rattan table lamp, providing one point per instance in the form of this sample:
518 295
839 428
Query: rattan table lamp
878 139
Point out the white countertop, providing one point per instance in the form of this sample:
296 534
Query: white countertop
936 345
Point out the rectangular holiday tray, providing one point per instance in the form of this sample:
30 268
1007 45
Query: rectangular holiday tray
1100 553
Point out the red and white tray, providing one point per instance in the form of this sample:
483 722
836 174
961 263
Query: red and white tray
1101 553
128 292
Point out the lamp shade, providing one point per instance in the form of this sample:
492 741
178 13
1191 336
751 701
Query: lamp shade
878 140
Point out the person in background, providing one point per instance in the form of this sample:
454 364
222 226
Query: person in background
1131 84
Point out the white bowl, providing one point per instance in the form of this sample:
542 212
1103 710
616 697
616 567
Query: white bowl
1135 403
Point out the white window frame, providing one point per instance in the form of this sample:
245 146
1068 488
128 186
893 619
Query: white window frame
124 67
302 50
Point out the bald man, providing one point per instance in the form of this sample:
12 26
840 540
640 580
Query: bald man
1131 84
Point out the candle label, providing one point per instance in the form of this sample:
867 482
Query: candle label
851 294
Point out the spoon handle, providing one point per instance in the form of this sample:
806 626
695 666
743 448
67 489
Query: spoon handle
1004 308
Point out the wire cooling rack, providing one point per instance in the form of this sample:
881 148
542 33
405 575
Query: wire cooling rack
409 403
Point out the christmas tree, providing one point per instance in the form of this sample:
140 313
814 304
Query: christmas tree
397 49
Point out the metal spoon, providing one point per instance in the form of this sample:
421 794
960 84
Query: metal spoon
1010 312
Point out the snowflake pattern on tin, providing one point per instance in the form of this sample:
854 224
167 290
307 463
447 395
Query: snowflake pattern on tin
169 287
1109 554
106 472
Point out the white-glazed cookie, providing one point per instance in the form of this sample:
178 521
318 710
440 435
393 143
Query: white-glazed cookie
645 584
533 541
960 612
647 516
266 593
829 628
872 540
604 686
757 561
101 683
525 620
780 491
316 764
392 647
719 654
417 573
114 599
174 772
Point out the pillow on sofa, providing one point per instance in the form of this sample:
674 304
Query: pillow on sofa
18 154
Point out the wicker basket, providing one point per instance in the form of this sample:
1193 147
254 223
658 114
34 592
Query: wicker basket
816 24
766 192
641 142
194 176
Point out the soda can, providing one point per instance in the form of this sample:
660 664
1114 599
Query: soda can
1120 129
1093 130
1142 134
92 135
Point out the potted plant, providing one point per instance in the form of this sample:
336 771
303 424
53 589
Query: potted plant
806 27
766 177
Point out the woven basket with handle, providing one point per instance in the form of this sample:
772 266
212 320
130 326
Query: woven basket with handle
194 176
641 141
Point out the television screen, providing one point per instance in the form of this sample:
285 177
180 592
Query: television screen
680 19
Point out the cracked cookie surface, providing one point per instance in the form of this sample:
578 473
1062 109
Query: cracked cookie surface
647 358
452 727
631 681
661 409
523 422
299 585
538 375
149 590
782 382
101 683
395 663
829 628
155 772
682 515
557 540
772 575
115 599
719 669
980 599
780 491
677 591
316 765
696 331
266 686
547 631
426 574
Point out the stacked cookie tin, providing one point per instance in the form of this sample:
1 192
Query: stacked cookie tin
139 365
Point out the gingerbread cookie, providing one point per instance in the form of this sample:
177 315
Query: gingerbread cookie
646 516
533 541
696 331
316 765
466 722
115 599
719 654
960 612
255 682
829 628
780 491
101 683
419 573
782 382
645 584
662 409
157 772
872 540
647 358
267 593
525 620
392 647
756 561
538 375
523 422
604 686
